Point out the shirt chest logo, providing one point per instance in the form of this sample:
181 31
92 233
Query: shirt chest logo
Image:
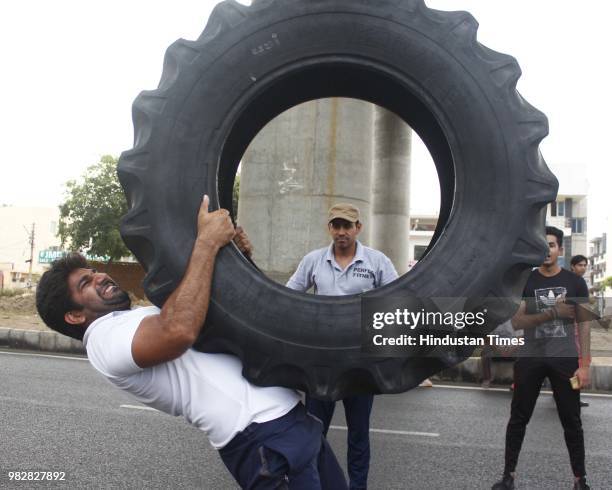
363 273
547 298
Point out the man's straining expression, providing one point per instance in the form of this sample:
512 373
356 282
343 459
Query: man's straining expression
554 250
343 233
97 293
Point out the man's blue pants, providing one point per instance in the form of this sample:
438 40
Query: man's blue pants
285 453
357 411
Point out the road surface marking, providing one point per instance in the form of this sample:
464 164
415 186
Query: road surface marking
506 390
450 387
139 407
389 431
335 427
42 355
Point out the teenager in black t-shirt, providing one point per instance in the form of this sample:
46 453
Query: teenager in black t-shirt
579 265
555 337
547 313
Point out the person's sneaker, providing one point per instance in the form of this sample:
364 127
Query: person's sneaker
581 484
583 404
506 483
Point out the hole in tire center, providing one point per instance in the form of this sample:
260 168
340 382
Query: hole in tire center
328 151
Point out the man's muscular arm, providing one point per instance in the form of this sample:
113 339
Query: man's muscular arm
161 338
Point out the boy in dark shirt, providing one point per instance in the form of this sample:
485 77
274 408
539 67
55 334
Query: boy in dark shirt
547 313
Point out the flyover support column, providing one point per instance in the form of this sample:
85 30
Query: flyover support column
297 167
391 187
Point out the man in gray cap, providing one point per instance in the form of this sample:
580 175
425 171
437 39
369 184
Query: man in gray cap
345 267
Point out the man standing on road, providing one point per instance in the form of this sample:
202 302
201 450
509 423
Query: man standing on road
578 265
550 306
264 435
345 267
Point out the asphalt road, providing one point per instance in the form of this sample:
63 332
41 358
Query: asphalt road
58 414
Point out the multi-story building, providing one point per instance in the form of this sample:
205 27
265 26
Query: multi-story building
601 257
18 226
422 228
599 260
569 212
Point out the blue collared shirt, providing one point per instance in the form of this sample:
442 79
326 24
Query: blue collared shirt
369 269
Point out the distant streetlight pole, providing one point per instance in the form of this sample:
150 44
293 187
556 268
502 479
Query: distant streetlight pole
31 261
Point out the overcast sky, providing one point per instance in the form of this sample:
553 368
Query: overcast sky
71 70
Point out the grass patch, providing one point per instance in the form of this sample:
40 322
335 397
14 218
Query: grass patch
11 293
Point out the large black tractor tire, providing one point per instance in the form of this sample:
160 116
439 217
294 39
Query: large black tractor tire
252 63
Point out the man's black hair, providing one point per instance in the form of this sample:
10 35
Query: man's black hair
53 295
576 259
551 230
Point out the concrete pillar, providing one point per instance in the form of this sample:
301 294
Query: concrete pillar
296 168
390 220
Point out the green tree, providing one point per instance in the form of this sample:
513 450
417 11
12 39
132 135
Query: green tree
91 211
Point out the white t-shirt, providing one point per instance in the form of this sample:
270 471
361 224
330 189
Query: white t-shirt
207 389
